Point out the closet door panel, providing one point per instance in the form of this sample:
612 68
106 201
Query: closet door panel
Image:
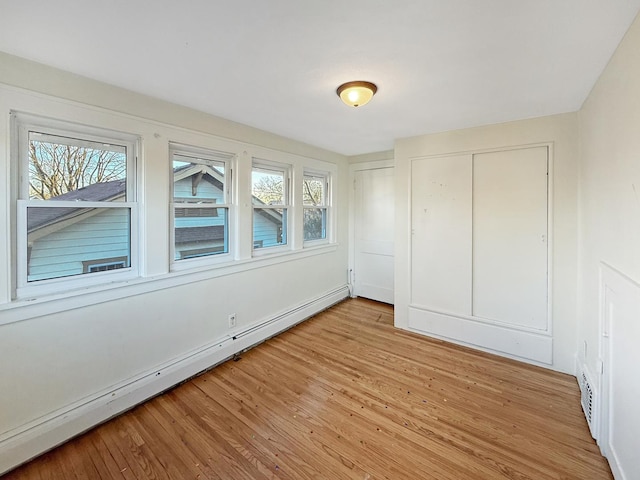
510 237
441 234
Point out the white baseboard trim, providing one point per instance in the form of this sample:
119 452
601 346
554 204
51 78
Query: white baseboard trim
616 467
513 343
28 441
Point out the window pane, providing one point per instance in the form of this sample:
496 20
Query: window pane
200 232
196 179
62 168
313 190
269 227
65 241
315 223
267 187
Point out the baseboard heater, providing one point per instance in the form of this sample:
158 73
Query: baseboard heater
588 400
288 313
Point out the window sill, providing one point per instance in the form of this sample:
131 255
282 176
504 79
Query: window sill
25 309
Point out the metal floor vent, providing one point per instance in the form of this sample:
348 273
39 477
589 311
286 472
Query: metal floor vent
587 399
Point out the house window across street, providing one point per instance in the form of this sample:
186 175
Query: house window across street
104 265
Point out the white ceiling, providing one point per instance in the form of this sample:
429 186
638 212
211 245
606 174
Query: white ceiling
275 64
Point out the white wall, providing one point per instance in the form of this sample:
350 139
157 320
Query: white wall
561 132
371 158
609 183
63 353
610 231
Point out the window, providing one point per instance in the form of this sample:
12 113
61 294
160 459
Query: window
104 264
201 202
315 205
76 202
270 199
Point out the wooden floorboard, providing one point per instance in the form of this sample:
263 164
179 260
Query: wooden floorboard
345 395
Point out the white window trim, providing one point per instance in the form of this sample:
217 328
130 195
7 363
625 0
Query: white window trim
286 169
150 139
229 161
23 124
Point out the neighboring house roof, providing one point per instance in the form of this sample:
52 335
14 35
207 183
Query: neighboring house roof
198 172
98 192
40 218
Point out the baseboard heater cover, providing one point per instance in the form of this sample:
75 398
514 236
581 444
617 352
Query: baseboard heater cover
588 400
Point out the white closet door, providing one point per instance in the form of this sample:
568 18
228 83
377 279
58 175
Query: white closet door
510 237
441 234
374 234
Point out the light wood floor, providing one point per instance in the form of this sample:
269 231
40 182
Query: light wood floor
346 396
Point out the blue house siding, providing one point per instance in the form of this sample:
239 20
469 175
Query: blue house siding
267 230
100 234
206 190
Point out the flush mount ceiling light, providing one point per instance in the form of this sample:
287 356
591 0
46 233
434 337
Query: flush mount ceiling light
356 93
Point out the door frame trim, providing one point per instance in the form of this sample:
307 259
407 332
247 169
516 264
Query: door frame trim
353 168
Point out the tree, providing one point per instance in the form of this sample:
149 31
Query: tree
57 168
314 218
312 190
268 188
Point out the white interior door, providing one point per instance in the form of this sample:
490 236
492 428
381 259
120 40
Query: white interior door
620 329
374 234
